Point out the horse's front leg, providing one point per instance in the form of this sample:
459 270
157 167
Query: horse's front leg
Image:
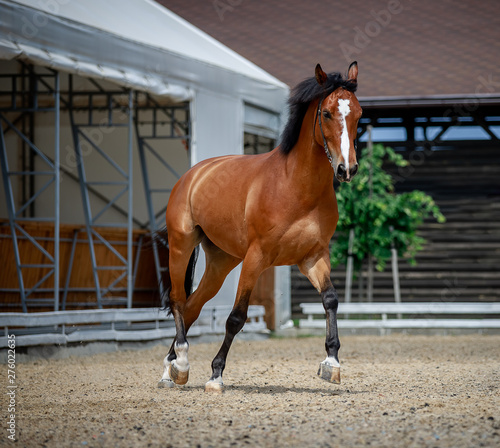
317 270
329 369
250 272
234 324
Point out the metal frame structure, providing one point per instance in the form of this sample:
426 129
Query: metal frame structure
111 101
38 90
29 91
257 144
442 116
148 130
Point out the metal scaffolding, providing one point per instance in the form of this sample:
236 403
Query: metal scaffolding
29 94
96 108
110 101
156 123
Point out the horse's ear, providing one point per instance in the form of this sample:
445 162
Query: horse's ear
352 73
321 76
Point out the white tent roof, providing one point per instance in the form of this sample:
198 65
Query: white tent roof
136 43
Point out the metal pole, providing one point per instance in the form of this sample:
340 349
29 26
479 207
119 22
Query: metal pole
9 196
86 205
57 194
395 271
130 276
370 183
370 279
369 129
348 281
70 268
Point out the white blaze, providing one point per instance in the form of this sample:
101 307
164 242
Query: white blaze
344 111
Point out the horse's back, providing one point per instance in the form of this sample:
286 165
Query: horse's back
213 195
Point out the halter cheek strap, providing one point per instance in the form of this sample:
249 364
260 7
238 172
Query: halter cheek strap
325 145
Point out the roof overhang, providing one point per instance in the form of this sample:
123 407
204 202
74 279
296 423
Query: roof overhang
389 102
158 53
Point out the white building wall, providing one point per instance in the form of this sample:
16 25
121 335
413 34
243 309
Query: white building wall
217 127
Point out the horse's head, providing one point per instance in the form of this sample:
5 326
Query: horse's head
337 125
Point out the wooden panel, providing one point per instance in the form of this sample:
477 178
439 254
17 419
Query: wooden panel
81 275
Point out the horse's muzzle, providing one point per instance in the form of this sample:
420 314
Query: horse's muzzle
344 175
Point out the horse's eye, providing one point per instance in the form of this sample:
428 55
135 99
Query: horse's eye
327 114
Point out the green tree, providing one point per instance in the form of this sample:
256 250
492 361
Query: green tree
372 209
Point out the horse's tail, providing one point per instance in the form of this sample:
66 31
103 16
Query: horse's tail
161 238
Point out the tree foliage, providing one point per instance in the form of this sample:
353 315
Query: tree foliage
372 215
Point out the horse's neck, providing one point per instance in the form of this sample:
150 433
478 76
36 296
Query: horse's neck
309 165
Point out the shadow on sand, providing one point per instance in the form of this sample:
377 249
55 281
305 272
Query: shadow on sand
277 389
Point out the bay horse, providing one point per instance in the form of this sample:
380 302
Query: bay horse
264 210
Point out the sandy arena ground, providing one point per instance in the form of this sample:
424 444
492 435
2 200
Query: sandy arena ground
396 391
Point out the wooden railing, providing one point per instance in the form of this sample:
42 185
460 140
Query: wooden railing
423 315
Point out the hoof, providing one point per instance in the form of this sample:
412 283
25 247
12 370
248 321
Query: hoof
214 387
177 376
329 373
165 383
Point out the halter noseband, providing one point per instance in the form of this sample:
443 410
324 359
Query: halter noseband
325 145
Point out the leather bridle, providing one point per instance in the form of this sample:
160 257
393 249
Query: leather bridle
325 145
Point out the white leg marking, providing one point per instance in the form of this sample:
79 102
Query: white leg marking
165 380
215 385
345 144
217 380
166 363
330 360
181 362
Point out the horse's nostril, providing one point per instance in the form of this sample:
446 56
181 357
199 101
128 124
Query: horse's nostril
341 171
354 170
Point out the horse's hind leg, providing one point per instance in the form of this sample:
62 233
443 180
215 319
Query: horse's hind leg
218 266
181 247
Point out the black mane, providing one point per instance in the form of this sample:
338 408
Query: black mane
300 98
